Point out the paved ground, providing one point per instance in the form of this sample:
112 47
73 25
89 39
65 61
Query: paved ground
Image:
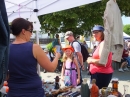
124 78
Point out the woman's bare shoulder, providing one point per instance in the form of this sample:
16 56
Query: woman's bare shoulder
37 50
102 42
36 45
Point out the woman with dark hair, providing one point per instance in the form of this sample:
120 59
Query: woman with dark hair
23 58
101 72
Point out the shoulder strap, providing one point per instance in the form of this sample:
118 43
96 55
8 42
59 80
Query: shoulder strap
71 66
75 41
72 61
95 48
78 42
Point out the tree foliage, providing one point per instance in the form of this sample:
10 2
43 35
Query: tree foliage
80 19
126 29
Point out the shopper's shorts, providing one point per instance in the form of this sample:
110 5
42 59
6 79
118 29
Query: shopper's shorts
123 60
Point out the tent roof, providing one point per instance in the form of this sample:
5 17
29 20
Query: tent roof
125 35
25 8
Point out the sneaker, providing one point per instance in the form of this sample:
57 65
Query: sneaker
126 69
121 70
128 66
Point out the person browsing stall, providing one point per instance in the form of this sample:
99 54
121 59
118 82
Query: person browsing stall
69 68
101 72
24 80
77 51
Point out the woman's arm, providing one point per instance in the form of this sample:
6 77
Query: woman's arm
92 60
43 60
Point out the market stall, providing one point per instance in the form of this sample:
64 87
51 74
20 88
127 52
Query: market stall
85 90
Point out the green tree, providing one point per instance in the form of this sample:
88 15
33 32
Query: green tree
126 29
80 19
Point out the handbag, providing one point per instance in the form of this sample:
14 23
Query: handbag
67 78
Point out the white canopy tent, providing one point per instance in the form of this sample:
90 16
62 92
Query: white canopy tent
30 9
125 35
25 8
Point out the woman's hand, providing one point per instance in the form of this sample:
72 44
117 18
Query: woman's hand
58 55
83 67
78 81
89 60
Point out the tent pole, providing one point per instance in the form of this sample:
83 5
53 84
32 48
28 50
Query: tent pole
37 38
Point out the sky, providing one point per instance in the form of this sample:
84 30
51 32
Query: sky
126 20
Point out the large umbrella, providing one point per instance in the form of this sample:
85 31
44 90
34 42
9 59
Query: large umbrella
28 8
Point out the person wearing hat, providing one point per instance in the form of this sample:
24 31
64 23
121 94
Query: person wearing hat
77 51
101 72
69 68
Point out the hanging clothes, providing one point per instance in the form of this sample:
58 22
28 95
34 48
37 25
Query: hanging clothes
113 41
4 42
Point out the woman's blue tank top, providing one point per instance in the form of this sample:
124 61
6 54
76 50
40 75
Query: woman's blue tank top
23 69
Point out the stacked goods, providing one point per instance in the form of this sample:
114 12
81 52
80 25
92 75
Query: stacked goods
54 93
85 92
